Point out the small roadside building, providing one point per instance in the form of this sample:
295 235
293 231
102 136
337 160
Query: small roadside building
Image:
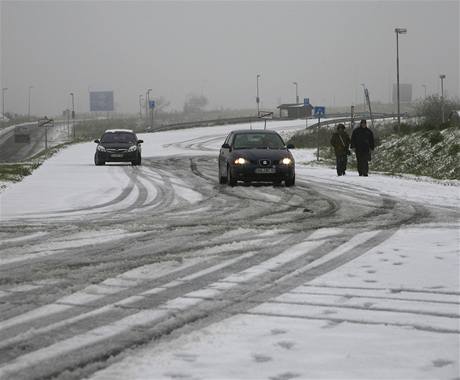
295 110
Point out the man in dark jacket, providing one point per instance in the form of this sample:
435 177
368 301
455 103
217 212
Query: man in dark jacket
341 143
362 140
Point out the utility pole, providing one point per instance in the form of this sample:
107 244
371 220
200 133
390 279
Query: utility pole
140 106
73 115
296 92
28 103
147 100
398 31
257 97
4 89
442 76
424 87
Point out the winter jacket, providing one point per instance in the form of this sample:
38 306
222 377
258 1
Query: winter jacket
362 140
341 143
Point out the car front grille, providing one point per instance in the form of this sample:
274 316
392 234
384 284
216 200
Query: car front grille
117 150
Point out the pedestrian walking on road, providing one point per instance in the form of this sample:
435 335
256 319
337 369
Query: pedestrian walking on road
362 141
341 143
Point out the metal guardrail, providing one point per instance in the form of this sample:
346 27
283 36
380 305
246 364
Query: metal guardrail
207 123
252 119
349 119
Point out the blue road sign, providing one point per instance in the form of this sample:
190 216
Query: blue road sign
151 103
319 111
306 102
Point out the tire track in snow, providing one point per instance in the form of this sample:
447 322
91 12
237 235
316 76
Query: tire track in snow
130 315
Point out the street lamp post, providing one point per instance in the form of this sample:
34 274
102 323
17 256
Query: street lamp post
398 31
73 115
140 106
296 92
4 89
424 87
442 76
257 97
28 103
147 106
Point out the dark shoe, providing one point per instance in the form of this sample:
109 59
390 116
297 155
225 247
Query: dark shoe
365 175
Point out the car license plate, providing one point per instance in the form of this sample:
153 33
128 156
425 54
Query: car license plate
265 170
116 155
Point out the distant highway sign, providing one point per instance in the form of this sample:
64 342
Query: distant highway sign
101 101
319 111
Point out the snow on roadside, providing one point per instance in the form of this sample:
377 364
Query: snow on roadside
372 318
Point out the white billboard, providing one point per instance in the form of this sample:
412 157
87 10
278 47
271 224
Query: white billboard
101 101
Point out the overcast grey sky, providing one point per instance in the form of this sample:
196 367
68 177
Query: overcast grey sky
218 48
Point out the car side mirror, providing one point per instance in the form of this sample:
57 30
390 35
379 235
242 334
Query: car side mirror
97 141
140 141
290 146
226 146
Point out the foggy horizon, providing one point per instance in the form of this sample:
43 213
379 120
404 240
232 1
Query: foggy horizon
216 49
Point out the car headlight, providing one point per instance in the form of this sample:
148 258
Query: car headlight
100 148
240 161
132 148
286 161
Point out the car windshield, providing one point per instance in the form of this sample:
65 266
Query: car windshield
258 141
118 137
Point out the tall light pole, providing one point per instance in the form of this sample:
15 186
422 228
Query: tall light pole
73 114
4 89
140 106
147 106
442 76
424 87
398 31
257 97
296 92
28 103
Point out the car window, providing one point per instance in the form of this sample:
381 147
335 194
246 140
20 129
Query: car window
119 137
258 140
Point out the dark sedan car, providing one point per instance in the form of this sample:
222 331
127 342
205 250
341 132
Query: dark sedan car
118 145
256 155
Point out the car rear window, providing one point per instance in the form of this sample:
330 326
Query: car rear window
115 137
258 140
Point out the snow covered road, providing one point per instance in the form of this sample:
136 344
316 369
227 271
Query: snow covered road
160 272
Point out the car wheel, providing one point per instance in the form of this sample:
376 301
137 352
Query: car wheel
222 180
230 180
98 162
290 181
137 161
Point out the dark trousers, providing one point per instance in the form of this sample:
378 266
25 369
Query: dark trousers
362 159
341 164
